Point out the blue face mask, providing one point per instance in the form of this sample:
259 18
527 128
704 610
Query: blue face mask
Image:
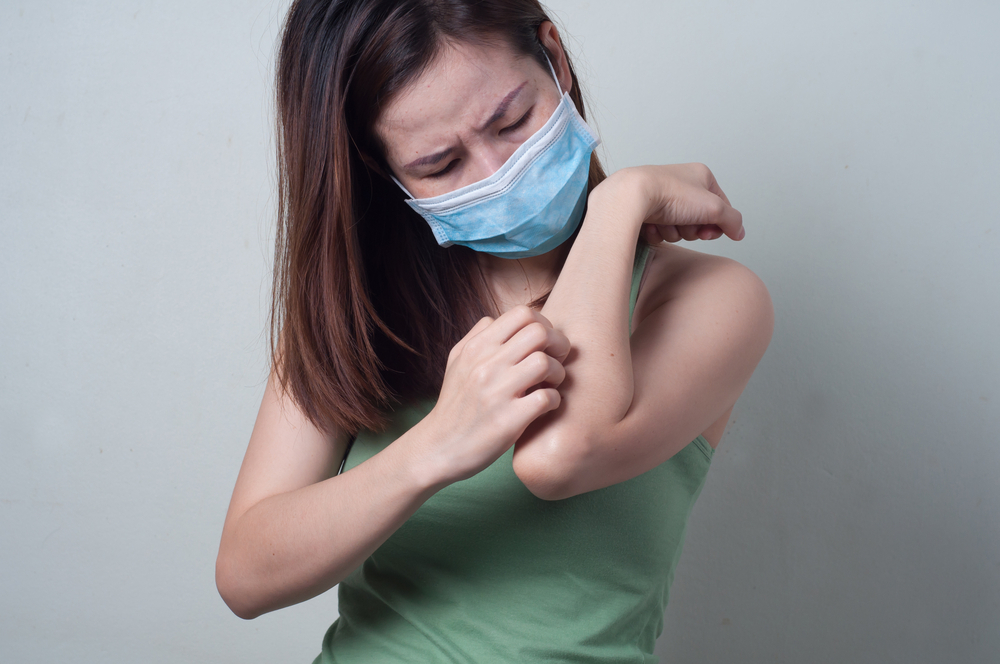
532 204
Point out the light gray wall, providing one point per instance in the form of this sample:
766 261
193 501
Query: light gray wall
851 513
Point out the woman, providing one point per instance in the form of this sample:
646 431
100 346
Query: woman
520 392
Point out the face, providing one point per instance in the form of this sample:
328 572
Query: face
461 120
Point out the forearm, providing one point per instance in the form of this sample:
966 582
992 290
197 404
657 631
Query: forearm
296 545
590 304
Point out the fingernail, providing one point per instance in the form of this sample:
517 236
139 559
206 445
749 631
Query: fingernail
743 232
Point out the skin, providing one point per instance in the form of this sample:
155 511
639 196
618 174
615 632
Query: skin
585 401
445 109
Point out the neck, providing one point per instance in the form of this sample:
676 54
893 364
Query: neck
516 281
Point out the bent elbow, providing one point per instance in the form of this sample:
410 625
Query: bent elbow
227 582
547 470
763 308
542 485
753 310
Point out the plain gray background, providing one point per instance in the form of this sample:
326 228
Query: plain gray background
851 513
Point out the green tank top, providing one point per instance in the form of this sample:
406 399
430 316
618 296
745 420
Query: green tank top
486 572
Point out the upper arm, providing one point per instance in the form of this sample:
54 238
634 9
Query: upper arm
699 345
708 322
286 452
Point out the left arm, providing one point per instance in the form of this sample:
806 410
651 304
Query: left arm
630 403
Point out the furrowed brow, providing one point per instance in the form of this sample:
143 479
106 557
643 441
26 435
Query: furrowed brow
428 160
504 105
501 110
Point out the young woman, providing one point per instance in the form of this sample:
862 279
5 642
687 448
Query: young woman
495 389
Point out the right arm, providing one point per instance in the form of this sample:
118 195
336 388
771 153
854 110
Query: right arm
295 528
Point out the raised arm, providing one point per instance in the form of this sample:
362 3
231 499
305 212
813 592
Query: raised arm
630 403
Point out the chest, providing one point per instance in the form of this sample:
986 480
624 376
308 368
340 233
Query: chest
491 526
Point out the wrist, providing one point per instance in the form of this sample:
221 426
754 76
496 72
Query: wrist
427 469
624 195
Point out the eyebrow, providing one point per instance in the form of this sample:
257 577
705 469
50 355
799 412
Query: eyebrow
504 105
497 114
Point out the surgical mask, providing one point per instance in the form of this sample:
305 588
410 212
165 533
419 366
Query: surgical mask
532 204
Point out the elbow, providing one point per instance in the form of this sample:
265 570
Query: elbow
756 299
227 582
542 484
547 470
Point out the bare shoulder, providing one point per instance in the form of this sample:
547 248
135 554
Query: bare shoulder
703 291
674 270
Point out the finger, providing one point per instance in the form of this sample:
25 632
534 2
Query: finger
712 184
538 368
669 233
716 211
689 233
509 323
732 223
717 190
558 345
651 234
473 332
535 338
540 401
709 232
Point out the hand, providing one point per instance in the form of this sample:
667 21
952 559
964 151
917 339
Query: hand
682 202
500 377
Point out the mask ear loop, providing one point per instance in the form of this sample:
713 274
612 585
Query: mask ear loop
552 69
405 190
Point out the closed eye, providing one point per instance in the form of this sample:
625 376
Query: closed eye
520 123
444 170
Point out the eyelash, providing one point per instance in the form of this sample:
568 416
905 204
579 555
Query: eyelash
520 123
517 125
444 170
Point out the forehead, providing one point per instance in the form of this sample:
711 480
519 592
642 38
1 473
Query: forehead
456 92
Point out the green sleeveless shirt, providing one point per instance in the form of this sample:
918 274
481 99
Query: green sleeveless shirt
485 571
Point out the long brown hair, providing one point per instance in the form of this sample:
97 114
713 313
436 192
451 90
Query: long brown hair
366 305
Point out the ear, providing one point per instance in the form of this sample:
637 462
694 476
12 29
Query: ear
548 35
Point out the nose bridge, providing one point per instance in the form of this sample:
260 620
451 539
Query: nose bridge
488 154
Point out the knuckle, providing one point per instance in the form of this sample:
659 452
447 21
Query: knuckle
537 332
523 313
549 399
473 345
540 361
480 375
